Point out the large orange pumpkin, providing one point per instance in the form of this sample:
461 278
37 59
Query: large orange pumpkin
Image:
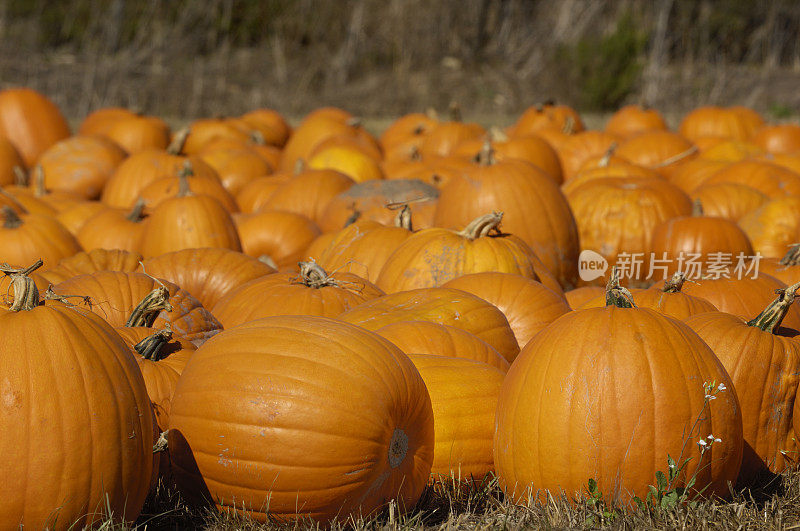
84 262
289 384
773 226
114 228
631 120
573 407
764 368
75 404
28 237
731 201
278 237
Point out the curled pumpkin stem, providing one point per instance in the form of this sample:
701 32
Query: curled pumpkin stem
26 294
677 158
145 313
178 141
137 212
314 276
483 226
607 155
616 295
773 315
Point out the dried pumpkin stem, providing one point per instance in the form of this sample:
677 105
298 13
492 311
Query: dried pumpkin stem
183 185
299 166
39 189
483 226
14 200
792 256
486 155
497 135
150 348
677 158
146 311
697 208
178 141
20 176
674 284
569 125
137 212
403 218
314 276
11 219
454 109
607 155
257 138
616 295
773 315
26 294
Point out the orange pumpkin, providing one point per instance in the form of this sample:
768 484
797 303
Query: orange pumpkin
729 122
279 237
309 192
731 201
270 124
31 122
114 228
26 238
138 133
547 116
91 262
9 159
381 452
774 226
235 168
631 120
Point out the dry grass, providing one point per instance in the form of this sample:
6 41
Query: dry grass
449 507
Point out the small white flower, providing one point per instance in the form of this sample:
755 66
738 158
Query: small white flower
711 397
710 437
717 440
721 387
672 465
701 442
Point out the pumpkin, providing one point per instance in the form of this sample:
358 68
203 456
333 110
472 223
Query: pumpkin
363 247
609 394
731 151
771 179
136 299
531 149
445 306
576 149
76 216
431 257
369 200
311 291
205 130
549 116
207 274
658 150
9 159
114 228
425 337
619 215
137 171
464 398
308 193
695 172
697 245
350 161
270 125
31 122
619 169
57 200
667 299
138 133
774 226
27 237
314 130
579 296
74 402
276 237
534 210
255 194
188 221
99 121
728 122
237 167
413 125
764 368
314 457
161 358
436 172
731 201
444 137
528 305
783 269
630 120
91 262
157 191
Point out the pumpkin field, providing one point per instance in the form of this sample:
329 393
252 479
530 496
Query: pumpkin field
323 300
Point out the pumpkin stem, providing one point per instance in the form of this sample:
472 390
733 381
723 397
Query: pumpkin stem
431 113
178 141
20 176
674 284
607 155
299 166
39 189
136 214
403 218
355 121
12 220
150 347
26 294
792 256
353 217
483 226
676 158
486 155
497 135
454 109
183 181
257 138
415 155
146 311
569 125
616 295
773 315
267 259
14 200
697 208
162 444
313 276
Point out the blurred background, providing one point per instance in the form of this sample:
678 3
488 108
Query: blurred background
189 58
